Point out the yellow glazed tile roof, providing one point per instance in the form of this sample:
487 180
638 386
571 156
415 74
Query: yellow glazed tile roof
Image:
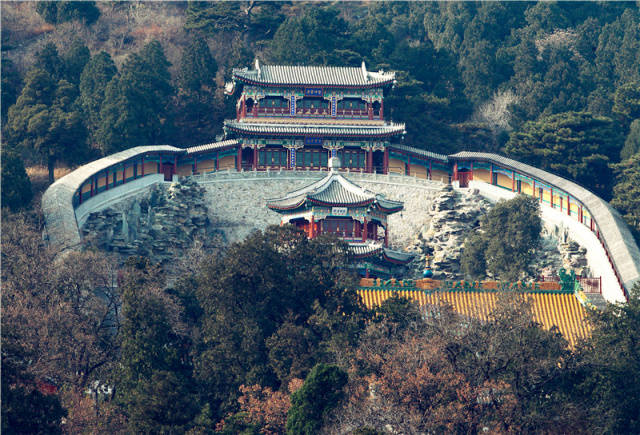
549 309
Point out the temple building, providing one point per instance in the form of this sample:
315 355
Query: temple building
335 205
296 117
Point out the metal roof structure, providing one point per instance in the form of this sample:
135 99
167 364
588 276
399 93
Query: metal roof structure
328 76
368 131
57 202
614 231
333 190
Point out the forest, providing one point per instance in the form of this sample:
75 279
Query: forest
92 346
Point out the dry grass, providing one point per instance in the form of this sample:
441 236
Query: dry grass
39 176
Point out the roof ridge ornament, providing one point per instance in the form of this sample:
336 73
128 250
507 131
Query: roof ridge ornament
257 66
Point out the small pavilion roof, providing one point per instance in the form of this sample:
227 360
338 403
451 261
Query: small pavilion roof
304 130
371 249
333 190
326 76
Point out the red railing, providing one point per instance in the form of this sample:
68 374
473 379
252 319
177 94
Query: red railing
273 110
591 285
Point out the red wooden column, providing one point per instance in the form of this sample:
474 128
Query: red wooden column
124 173
513 181
364 230
385 161
551 196
311 227
370 110
455 171
491 174
106 180
381 109
386 235
568 205
239 159
533 188
255 108
370 160
408 165
255 158
142 165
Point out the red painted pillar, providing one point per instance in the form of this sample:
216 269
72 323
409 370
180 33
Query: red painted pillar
386 235
239 159
255 108
255 157
455 171
513 181
106 180
364 230
370 110
381 109
142 165
124 173
533 188
408 165
491 174
369 160
568 206
311 228
551 196
385 161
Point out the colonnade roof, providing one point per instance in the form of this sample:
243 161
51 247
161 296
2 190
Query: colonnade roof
295 129
613 229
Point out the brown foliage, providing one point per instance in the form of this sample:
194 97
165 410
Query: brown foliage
266 407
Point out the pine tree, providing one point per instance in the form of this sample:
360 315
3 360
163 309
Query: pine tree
16 186
74 61
94 79
154 384
44 121
135 109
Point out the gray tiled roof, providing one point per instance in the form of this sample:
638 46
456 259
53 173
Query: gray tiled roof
211 146
418 151
617 238
332 189
315 130
57 201
371 248
313 75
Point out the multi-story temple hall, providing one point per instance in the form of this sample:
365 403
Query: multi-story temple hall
296 117
335 205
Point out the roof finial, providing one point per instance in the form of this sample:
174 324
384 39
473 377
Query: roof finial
364 72
334 164
257 65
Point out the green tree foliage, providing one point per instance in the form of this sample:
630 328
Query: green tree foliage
608 377
509 235
25 410
45 121
11 85
197 111
321 392
48 59
626 104
74 61
304 39
400 312
154 383
16 186
94 79
577 145
214 17
62 11
626 191
271 287
135 109
632 143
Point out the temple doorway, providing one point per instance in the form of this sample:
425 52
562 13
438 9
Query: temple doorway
168 170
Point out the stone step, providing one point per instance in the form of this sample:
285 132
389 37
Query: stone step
597 300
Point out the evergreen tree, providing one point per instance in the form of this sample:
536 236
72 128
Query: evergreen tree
16 186
62 11
197 116
632 143
48 59
320 393
135 109
94 79
44 120
74 61
11 84
626 191
154 384
576 145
